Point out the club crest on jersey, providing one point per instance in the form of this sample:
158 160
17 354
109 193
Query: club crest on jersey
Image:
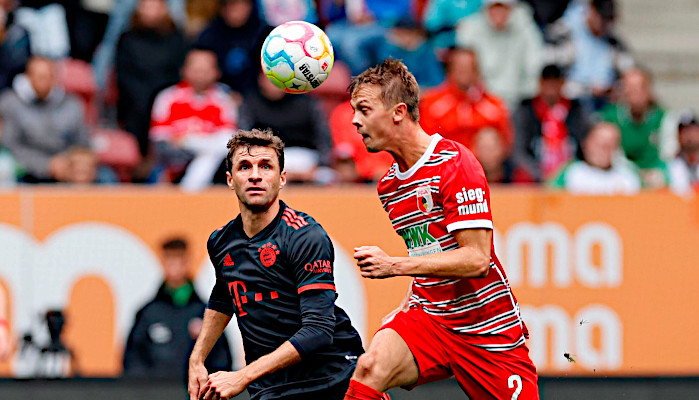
424 199
268 254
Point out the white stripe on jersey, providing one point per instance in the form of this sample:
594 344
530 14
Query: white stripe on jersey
442 156
412 193
401 223
435 283
461 309
501 347
413 185
482 326
471 224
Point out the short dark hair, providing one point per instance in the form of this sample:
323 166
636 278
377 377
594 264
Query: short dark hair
605 8
255 137
687 118
551 71
398 85
176 243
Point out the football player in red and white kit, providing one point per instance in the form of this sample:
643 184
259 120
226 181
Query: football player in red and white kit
460 317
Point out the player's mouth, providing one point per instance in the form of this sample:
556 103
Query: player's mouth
255 190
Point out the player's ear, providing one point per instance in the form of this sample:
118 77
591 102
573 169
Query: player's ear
400 111
282 179
229 180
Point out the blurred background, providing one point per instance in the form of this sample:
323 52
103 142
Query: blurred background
114 115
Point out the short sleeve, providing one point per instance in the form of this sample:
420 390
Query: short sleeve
312 257
220 299
465 193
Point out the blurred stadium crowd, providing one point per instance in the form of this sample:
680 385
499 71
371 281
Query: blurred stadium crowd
148 91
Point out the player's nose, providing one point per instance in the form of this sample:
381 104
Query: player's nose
355 121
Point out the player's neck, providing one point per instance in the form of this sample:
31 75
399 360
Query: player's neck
410 146
255 221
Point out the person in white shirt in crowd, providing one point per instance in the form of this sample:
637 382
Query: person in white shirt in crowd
191 123
684 169
603 170
509 46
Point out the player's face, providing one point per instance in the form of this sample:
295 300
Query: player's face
256 177
373 121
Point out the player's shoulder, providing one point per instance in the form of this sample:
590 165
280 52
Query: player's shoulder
453 151
294 220
220 234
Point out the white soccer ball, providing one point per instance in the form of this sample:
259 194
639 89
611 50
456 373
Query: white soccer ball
297 57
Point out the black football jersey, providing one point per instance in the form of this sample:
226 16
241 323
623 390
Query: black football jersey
261 280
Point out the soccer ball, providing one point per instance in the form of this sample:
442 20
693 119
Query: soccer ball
297 57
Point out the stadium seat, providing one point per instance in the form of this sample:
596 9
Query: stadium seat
117 149
77 77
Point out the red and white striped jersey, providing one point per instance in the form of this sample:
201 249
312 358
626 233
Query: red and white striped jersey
445 191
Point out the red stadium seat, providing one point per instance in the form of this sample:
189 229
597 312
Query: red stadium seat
117 149
77 77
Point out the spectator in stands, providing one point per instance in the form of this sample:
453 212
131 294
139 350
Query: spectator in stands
14 49
548 128
358 28
47 24
407 42
200 13
236 38
599 56
166 328
83 168
684 169
300 123
547 11
276 12
648 137
120 20
491 151
441 16
192 122
41 123
509 46
602 171
9 169
148 58
352 162
462 106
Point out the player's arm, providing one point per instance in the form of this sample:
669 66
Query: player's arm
317 326
470 260
216 317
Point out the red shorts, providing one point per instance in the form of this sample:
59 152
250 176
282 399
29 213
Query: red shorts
482 374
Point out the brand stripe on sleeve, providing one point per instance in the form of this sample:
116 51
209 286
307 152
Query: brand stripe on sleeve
316 286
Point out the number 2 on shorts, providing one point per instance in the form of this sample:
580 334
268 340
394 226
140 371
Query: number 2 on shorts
515 382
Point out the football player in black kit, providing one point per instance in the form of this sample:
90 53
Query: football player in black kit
274 270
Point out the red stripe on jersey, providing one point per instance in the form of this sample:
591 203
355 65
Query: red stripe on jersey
316 286
447 188
290 223
295 217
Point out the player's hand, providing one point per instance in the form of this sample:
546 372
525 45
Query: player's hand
224 385
197 379
373 262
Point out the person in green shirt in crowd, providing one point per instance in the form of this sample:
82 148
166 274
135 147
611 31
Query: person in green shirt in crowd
647 139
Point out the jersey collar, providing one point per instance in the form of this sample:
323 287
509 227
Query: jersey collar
267 229
420 162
